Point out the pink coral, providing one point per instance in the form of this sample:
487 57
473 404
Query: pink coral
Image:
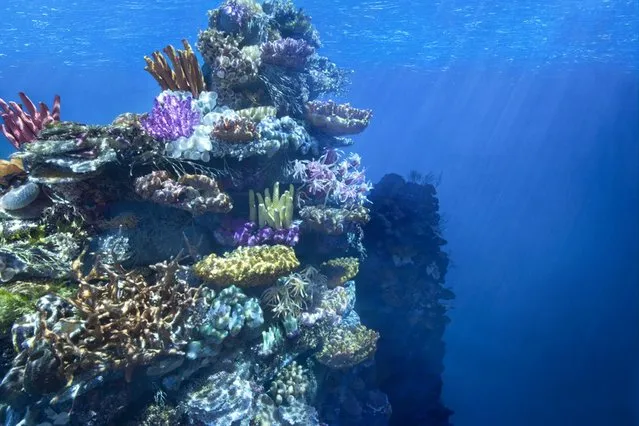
22 126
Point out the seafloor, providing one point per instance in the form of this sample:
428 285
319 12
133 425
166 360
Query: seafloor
198 264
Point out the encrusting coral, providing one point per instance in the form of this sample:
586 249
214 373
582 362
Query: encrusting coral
345 347
197 194
247 266
340 270
337 120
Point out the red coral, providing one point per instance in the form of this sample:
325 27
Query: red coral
231 129
22 126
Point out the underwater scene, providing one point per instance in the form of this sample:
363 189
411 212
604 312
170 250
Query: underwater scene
336 213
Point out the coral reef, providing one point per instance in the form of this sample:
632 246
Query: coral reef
144 280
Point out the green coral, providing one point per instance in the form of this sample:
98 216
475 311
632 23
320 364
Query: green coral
346 347
340 270
275 211
247 266
20 298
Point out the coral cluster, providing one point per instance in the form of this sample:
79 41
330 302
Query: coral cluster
22 126
248 266
145 276
197 194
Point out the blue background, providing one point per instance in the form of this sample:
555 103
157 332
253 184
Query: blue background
530 112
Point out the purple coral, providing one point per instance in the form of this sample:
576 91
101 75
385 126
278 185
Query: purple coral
172 117
249 234
330 179
236 12
287 52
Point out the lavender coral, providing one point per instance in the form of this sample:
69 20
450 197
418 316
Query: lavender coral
341 182
172 117
287 52
249 234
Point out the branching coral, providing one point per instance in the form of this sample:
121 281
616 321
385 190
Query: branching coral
235 130
120 324
276 211
346 347
247 266
329 180
287 53
22 126
340 270
197 194
185 75
291 383
172 117
337 120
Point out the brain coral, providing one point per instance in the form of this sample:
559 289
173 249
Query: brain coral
248 266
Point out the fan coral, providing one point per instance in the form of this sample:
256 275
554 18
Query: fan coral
197 194
340 270
346 347
235 130
328 179
287 53
20 127
337 120
247 266
185 75
172 117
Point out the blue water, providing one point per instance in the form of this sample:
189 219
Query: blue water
530 112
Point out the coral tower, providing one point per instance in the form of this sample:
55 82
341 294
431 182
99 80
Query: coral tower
194 264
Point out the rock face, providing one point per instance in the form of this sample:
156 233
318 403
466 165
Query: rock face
405 276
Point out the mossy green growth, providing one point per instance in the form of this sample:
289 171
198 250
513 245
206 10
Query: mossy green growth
20 298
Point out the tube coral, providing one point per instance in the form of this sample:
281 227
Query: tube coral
22 126
185 75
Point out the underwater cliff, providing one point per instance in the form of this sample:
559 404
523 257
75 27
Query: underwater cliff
221 259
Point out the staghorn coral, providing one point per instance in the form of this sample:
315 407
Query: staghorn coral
276 211
172 117
22 126
346 347
185 75
333 221
235 130
122 323
337 120
247 266
340 270
197 194
287 53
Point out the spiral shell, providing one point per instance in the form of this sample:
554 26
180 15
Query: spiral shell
20 197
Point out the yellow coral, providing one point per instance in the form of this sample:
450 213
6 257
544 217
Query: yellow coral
340 270
276 211
248 266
